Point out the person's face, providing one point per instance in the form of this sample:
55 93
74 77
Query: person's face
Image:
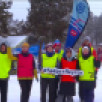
85 51
68 54
57 48
3 48
86 42
25 49
50 49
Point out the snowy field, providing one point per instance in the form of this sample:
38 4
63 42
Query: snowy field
14 90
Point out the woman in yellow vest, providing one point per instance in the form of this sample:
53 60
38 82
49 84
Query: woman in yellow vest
5 66
88 64
49 60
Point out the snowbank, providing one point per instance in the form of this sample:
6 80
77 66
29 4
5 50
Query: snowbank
14 90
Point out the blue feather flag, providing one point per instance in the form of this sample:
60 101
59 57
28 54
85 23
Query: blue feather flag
78 20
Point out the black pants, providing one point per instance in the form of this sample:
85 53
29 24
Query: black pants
87 95
3 90
25 86
56 86
86 91
45 83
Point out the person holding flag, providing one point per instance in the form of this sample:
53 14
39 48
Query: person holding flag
68 82
87 63
48 60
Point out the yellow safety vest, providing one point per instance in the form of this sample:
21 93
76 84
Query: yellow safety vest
80 51
87 66
5 66
49 62
60 55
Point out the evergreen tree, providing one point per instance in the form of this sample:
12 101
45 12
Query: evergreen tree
49 18
5 17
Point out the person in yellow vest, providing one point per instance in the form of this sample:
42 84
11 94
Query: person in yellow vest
87 63
5 67
87 42
49 60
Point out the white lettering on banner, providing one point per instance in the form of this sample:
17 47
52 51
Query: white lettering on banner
56 71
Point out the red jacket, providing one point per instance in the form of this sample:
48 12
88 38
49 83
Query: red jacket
68 65
25 66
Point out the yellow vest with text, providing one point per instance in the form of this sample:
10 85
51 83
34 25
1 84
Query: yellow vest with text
87 66
49 62
80 51
5 66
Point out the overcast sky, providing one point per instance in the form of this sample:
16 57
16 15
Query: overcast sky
20 8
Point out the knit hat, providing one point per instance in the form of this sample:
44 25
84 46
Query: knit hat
25 44
49 45
57 43
85 47
87 38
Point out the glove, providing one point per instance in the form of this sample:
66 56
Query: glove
35 74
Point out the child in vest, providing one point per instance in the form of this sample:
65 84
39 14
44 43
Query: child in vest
67 85
25 71
88 64
49 60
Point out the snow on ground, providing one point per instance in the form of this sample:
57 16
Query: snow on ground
14 90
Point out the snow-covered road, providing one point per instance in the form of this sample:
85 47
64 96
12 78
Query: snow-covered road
14 90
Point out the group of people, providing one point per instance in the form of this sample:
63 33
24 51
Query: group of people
26 71
60 88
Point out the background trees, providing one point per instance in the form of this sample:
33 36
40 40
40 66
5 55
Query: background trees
5 17
49 18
